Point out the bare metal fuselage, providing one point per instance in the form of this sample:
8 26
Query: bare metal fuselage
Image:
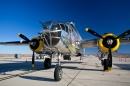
60 37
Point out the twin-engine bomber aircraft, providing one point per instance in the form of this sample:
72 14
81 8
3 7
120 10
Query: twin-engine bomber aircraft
64 39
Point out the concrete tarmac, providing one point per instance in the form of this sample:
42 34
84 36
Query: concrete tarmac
87 72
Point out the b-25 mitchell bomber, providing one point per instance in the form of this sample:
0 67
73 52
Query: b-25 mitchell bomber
64 39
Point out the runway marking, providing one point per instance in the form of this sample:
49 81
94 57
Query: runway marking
78 72
20 74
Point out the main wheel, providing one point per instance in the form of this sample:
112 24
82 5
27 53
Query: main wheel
102 62
110 63
105 65
69 58
58 73
47 63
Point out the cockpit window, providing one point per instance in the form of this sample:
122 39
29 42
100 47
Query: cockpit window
71 29
62 26
46 25
55 27
66 28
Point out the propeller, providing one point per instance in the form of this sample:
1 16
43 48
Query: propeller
32 43
23 37
110 41
126 33
93 33
110 54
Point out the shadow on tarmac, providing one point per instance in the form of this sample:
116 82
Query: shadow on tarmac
123 66
19 65
38 78
23 66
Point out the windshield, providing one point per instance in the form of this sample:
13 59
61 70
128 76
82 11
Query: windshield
51 33
51 26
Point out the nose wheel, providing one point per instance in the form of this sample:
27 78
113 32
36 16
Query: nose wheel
58 73
58 70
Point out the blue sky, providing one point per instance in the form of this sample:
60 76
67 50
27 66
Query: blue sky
22 16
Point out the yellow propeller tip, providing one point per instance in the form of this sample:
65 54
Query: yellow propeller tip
18 34
109 68
32 65
87 29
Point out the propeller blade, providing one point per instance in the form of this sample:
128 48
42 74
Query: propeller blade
93 33
110 54
109 58
23 37
33 56
123 34
33 59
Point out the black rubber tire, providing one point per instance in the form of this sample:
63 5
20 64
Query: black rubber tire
58 73
47 63
105 65
102 62
69 58
66 57
110 63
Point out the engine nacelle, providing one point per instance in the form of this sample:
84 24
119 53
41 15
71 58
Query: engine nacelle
38 46
103 45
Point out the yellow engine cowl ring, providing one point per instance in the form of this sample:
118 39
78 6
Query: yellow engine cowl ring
103 43
38 46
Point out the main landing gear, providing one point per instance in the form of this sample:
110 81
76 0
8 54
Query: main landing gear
107 64
66 57
47 63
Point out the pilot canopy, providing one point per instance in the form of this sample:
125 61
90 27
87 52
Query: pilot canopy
51 33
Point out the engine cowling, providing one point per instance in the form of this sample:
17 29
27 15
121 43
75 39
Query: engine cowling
103 45
38 46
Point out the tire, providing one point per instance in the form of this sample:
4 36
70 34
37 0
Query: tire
102 62
69 58
110 63
66 57
47 63
58 73
105 65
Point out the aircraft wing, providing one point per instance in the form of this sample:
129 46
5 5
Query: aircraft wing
88 43
91 43
125 40
15 43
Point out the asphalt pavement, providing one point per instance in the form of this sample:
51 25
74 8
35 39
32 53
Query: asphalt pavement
85 72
